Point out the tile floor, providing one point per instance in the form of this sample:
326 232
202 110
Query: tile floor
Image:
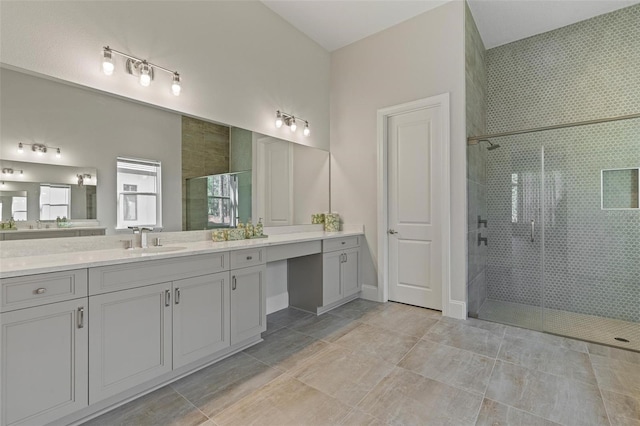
367 363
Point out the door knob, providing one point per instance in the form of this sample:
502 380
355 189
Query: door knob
391 231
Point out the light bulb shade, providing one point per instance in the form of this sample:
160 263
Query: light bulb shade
145 76
20 148
175 85
306 130
107 62
279 120
293 126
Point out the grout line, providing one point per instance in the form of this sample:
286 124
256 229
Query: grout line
192 404
599 389
484 394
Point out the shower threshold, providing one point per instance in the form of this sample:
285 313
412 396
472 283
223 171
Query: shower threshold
570 324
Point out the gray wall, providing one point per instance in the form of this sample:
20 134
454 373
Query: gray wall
476 111
591 257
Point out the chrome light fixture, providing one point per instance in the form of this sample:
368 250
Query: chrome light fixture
39 148
290 120
140 68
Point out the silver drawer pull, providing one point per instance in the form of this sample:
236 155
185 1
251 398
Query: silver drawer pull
167 298
233 283
81 317
40 290
176 298
344 242
249 257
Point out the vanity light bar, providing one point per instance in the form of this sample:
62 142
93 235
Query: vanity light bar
290 120
141 68
39 148
10 171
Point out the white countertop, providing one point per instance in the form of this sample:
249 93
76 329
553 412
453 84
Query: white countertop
27 265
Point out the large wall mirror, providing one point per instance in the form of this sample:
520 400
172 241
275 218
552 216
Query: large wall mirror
281 182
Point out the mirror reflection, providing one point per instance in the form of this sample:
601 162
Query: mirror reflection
45 192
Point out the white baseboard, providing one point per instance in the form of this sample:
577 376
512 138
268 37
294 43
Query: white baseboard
369 292
456 309
277 302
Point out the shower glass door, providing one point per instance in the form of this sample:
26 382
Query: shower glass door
515 233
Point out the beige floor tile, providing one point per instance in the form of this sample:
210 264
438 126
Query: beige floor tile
453 366
215 388
284 401
326 327
378 342
554 398
615 353
549 339
622 408
405 319
344 374
161 407
286 349
407 398
359 309
287 316
462 336
616 375
552 359
358 418
493 413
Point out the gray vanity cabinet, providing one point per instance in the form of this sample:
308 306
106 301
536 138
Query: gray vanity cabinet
131 339
340 269
44 362
201 317
248 302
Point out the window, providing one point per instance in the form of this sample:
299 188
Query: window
219 200
54 201
19 208
138 183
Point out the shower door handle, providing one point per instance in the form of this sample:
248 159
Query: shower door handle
533 230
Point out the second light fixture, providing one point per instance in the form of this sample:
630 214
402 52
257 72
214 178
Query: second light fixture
290 120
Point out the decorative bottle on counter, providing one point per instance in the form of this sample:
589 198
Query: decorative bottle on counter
332 222
248 230
259 230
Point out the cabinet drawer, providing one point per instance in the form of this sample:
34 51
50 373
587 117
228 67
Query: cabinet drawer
105 279
247 257
334 244
34 290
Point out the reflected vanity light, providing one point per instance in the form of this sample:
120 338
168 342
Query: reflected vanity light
140 68
290 120
8 171
83 178
39 149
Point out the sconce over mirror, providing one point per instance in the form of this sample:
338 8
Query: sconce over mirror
620 189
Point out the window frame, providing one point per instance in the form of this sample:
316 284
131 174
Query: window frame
123 194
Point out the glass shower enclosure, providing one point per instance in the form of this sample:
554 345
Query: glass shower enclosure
563 232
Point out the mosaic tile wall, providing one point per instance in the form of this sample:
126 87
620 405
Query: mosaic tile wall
591 256
476 98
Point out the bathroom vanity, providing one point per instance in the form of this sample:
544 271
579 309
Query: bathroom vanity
84 332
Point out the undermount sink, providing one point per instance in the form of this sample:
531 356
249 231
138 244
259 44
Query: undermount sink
155 250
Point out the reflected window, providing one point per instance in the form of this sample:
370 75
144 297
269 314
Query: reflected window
219 200
139 200
19 208
620 189
54 201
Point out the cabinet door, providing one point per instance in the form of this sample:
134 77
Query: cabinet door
248 303
130 339
44 362
351 272
200 317
331 277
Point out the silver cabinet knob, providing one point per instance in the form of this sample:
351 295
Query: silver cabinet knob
391 231
40 290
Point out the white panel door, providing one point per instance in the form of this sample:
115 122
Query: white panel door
414 167
44 355
200 317
129 339
275 192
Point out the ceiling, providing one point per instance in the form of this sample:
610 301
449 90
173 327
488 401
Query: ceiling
336 23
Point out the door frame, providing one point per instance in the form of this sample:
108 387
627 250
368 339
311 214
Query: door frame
438 101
